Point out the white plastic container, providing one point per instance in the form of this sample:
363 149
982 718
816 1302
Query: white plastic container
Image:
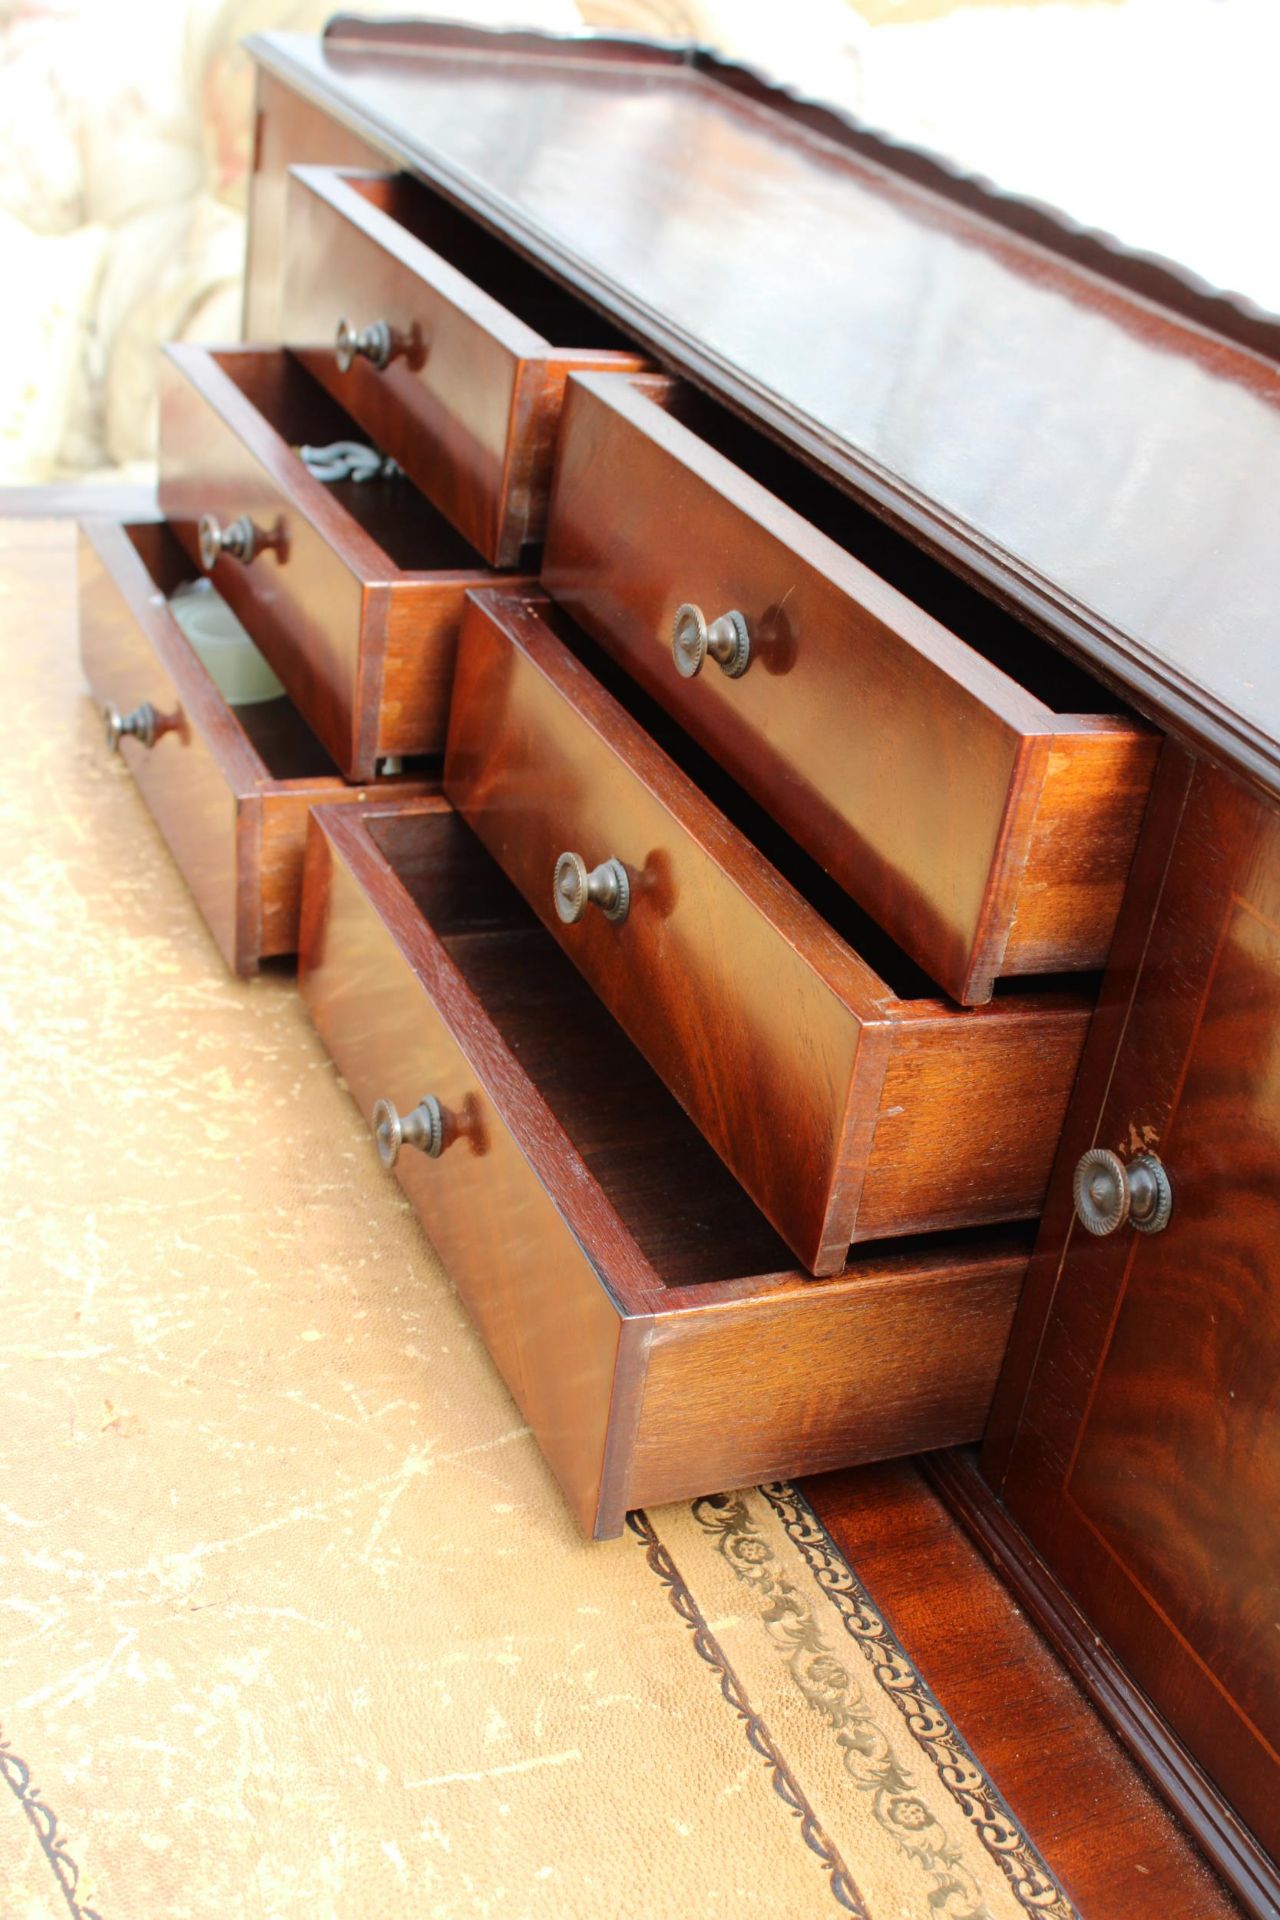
237 669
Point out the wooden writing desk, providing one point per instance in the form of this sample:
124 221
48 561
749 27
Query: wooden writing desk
904 631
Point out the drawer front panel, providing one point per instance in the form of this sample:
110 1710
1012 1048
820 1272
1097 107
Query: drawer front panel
458 409
186 778
717 992
915 772
364 645
528 1284
468 402
306 608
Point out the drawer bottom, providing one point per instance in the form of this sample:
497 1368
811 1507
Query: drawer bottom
646 1318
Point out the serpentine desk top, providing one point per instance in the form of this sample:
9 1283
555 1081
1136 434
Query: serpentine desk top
1100 460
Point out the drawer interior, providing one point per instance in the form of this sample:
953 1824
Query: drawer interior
534 298
276 731
687 1214
685 1211
403 522
1041 668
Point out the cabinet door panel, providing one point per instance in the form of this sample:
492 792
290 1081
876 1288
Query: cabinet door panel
1147 1464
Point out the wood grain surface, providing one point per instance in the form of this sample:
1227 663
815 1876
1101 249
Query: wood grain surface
848 1109
288 130
1136 1437
988 832
1078 1795
230 788
652 1330
482 344
1094 458
356 594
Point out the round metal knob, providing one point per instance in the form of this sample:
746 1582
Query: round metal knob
142 725
727 640
373 343
423 1128
606 886
1107 1192
239 538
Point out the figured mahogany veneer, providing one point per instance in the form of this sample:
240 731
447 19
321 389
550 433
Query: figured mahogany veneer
1137 1435
356 595
470 400
229 787
849 1110
644 1316
988 833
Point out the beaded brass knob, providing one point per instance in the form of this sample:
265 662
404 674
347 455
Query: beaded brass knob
606 886
143 725
239 538
373 343
727 640
1108 1192
423 1128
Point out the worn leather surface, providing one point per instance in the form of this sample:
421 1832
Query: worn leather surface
292 1618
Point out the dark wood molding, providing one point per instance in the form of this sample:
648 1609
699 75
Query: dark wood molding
1229 1846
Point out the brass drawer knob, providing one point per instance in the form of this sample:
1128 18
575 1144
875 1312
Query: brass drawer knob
1107 1192
424 1128
727 640
606 887
239 538
144 725
373 343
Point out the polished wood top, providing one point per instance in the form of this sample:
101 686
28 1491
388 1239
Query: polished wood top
1104 463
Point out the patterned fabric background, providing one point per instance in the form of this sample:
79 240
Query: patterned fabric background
124 147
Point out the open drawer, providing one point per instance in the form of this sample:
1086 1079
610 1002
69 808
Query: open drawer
229 787
447 347
846 1095
644 1316
955 774
353 590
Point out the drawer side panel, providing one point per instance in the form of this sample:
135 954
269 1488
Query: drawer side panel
186 778
1092 801
530 1287
727 1003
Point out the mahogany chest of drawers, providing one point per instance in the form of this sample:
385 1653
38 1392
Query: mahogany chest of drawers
716 747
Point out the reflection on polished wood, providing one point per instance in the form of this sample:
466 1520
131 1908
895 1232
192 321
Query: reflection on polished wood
1103 462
